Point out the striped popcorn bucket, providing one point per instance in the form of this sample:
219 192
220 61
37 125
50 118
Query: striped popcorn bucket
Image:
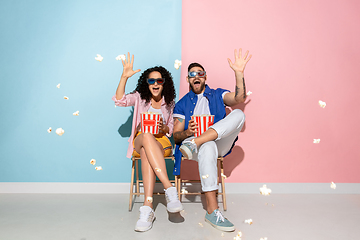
203 122
150 122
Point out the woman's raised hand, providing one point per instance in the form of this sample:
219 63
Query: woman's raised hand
128 66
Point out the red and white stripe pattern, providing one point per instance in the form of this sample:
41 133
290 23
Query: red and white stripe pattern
203 122
150 122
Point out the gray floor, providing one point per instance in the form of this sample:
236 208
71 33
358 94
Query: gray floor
106 216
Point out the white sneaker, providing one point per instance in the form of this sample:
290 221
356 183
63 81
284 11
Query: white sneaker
146 219
173 203
188 148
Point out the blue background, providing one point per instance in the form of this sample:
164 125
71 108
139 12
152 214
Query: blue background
44 43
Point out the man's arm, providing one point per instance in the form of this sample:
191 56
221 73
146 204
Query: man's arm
239 95
179 133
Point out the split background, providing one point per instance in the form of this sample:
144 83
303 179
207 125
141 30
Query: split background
303 52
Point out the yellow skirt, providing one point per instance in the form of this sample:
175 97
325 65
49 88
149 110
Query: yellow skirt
164 141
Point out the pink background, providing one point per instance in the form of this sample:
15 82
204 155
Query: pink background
303 52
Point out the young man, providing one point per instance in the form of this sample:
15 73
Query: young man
218 139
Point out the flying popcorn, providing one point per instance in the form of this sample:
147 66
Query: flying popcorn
205 176
249 221
158 169
59 131
98 57
265 191
265 238
201 225
222 234
248 93
316 141
66 98
76 113
49 130
177 64
223 175
58 86
121 57
333 185
93 161
238 236
184 191
98 168
322 104
149 199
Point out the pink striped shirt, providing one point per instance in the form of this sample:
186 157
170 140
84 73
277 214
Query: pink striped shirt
140 106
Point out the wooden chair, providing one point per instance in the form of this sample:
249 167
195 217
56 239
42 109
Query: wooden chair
179 182
136 182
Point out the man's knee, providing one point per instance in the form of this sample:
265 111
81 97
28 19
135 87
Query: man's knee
239 115
207 148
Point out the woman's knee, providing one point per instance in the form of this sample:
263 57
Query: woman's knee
147 137
144 138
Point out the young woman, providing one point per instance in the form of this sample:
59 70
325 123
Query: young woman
154 93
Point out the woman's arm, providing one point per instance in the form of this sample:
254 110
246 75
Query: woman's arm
127 73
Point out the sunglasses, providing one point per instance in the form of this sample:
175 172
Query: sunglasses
159 81
199 74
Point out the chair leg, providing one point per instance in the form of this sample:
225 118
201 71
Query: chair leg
137 178
131 185
223 185
179 186
176 184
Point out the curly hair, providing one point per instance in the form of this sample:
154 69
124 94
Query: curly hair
168 87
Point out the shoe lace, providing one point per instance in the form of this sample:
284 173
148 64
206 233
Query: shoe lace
220 216
192 146
171 196
145 215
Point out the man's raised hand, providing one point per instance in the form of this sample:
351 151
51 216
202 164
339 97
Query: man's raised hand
240 61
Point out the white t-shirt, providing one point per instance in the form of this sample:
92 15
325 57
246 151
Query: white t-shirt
201 107
151 109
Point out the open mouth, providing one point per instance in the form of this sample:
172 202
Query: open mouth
156 89
196 83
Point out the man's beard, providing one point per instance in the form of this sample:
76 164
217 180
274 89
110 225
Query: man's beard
202 87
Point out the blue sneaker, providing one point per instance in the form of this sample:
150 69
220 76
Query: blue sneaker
218 221
188 149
